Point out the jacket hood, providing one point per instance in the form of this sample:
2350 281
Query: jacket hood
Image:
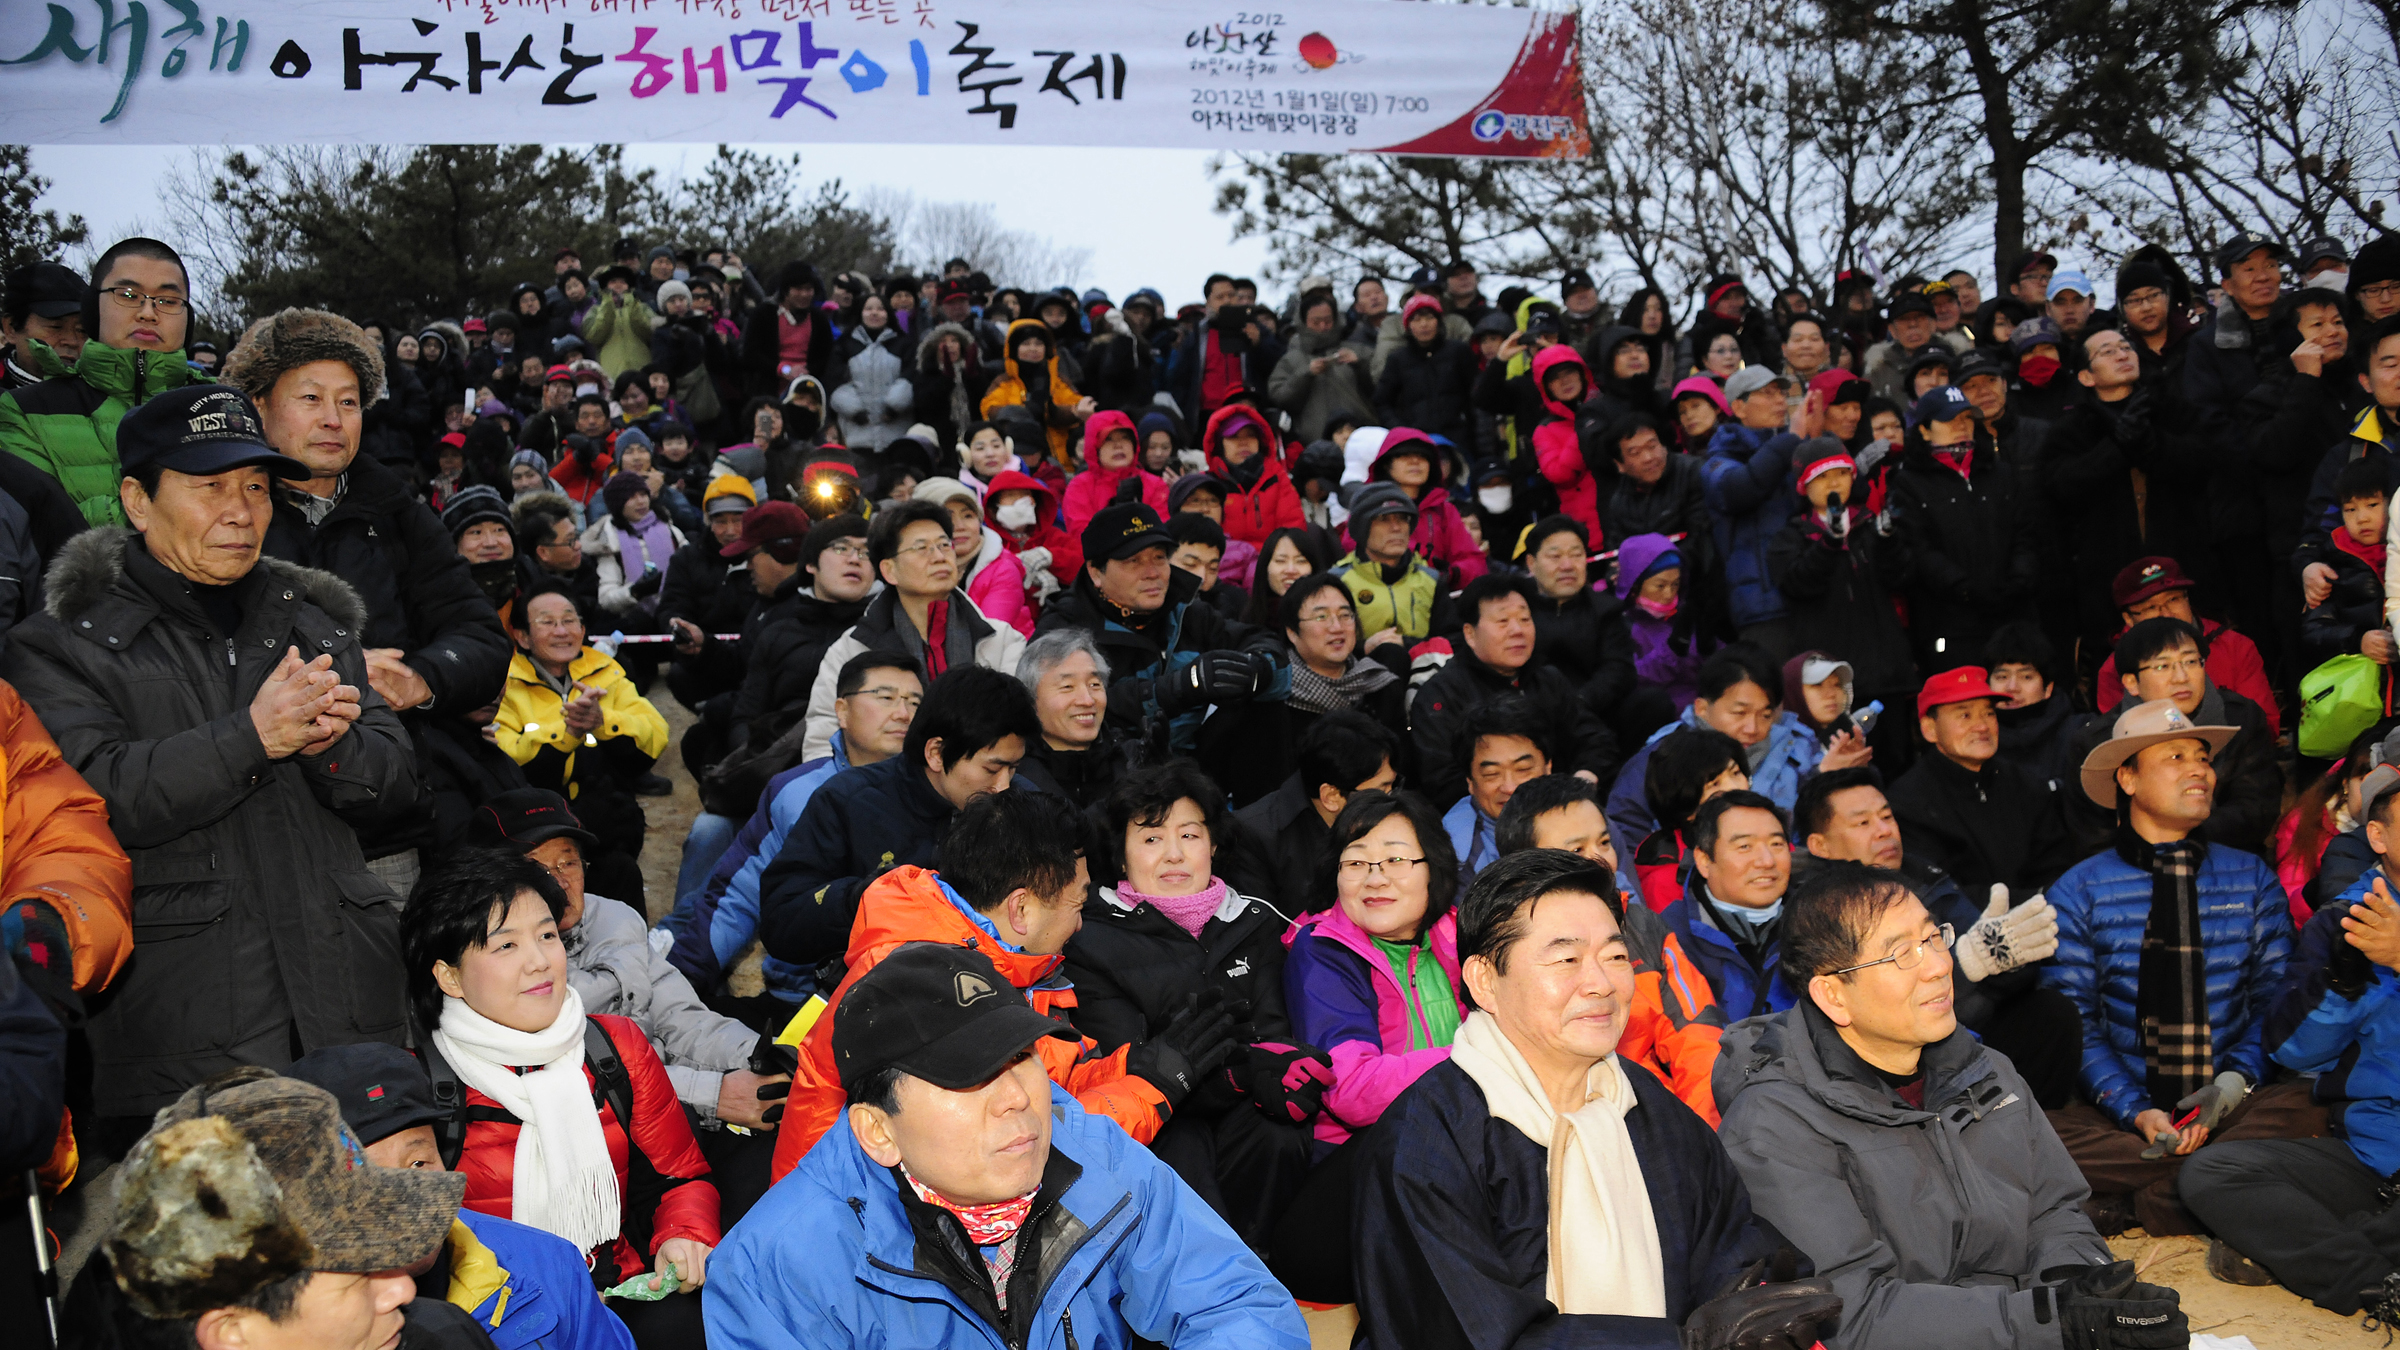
89 564
1016 332
1215 432
1045 502
449 333
1634 557
906 904
809 382
928 358
1612 337
1415 442
1098 429
1705 388
1551 358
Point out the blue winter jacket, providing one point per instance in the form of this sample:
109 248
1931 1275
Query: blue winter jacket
528 1289
711 933
830 1258
2103 905
1790 756
1743 990
1746 480
2351 1045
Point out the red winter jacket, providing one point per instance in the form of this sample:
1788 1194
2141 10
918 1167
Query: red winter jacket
1441 538
1096 487
1268 505
659 1168
1559 450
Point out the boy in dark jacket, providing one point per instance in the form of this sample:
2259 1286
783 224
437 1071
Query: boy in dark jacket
1838 568
1969 532
2351 618
1429 381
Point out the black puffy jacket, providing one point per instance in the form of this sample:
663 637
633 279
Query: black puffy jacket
783 644
1430 389
1971 539
259 933
1585 635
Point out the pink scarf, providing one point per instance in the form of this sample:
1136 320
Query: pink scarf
1190 912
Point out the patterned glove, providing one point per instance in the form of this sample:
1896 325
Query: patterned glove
1288 1081
36 935
2004 939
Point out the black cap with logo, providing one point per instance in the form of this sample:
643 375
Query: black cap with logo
937 1012
382 1088
525 819
199 429
1122 530
45 288
2243 245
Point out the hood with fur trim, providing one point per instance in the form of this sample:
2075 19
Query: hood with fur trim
929 343
89 564
285 341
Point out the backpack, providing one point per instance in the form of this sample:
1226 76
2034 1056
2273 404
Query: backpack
2338 700
612 1087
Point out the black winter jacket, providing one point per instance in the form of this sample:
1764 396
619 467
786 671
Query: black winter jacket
1837 592
1277 843
760 351
783 644
1438 716
1459 1200
2001 824
859 825
707 589
1430 389
2090 466
1248 748
259 933
1585 636
1971 540
2355 608
1132 966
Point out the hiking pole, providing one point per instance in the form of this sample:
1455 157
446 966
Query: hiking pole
46 1274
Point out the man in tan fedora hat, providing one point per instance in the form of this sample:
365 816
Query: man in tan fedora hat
2171 948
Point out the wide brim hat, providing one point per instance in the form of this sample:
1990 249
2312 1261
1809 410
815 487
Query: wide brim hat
2138 728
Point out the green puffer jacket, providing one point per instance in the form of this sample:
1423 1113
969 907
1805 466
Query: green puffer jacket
67 426
618 331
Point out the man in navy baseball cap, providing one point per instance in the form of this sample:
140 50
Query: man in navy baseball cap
198 431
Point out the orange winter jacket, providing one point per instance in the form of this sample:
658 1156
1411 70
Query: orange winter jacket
55 846
906 904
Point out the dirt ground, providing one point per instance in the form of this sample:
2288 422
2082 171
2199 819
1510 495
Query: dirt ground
2272 1318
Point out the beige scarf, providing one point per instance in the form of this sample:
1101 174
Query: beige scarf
1603 1238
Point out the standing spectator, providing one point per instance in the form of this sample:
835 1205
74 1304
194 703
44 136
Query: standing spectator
789 338
1410 461
1562 382
1747 480
1031 378
618 327
1969 531
135 318
2172 950
1110 457
271 937
1260 497
432 639
41 324
1322 376
1655 492
872 395
1428 381
1839 567
1888 362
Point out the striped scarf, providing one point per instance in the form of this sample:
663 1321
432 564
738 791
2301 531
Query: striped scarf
2171 999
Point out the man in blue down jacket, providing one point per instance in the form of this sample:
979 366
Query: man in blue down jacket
968 1201
1906 1159
1746 480
2172 949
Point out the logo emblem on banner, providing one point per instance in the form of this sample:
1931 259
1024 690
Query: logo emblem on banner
1490 125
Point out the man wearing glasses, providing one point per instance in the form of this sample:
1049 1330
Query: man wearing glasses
921 612
137 311
1903 1157
2168 659
2172 946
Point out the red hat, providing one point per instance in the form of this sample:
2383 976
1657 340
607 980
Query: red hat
776 525
473 326
1812 468
1956 686
1417 302
2146 577
558 375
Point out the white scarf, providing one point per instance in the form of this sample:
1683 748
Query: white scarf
1603 1238
565 1182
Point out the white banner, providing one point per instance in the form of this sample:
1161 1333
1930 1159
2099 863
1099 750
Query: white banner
1317 75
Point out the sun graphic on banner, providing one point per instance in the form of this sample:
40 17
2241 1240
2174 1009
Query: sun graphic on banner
1317 50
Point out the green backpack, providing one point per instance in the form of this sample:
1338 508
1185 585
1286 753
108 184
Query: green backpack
2338 700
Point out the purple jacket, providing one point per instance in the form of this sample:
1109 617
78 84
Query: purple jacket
1342 998
1655 662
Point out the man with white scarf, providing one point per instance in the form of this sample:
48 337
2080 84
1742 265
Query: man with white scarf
1539 1190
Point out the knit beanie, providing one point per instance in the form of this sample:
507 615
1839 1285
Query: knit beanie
622 489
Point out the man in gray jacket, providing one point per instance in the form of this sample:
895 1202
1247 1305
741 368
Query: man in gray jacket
220 703
1909 1162
724 1072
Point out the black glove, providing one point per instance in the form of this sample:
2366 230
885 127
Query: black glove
2350 972
2132 432
1129 490
1288 1082
648 585
1792 1315
1211 677
2105 1308
1192 1045
767 1060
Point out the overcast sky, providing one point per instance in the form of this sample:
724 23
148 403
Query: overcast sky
1144 214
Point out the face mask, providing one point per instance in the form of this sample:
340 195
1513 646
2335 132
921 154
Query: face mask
1016 515
2038 369
1659 609
582 389
1496 500
2332 279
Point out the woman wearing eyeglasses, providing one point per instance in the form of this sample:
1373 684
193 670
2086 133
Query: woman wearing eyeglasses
1373 978
1253 747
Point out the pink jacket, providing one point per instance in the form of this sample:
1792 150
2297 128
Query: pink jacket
996 583
1096 487
1558 447
1343 999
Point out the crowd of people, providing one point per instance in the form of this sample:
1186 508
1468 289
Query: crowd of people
1518 821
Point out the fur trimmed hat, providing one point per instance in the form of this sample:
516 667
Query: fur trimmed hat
295 337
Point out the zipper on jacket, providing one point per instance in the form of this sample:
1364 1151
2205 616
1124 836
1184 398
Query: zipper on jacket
1066 1323
232 658
141 369
1410 999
